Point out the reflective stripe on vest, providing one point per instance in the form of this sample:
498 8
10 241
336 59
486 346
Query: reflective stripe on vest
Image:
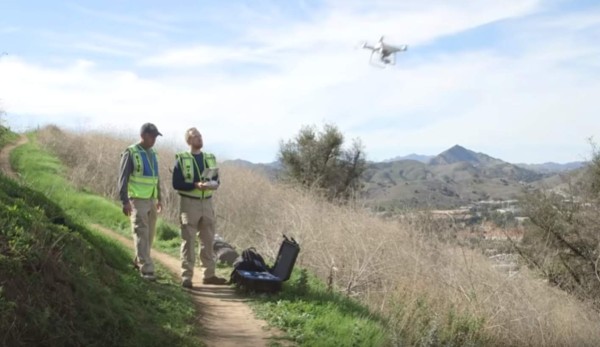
143 181
188 165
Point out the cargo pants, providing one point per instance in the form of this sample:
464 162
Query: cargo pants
143 224
197 217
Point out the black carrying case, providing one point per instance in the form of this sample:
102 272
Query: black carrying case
271 281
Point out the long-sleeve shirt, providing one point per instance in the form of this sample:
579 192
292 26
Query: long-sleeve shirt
126 169
178 179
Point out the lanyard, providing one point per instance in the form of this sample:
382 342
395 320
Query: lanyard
150 159
197 167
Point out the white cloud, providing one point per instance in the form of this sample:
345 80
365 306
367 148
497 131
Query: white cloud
308 72
139 20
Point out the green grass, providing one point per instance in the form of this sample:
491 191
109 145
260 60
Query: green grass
45 173
313 316
7 136
63 285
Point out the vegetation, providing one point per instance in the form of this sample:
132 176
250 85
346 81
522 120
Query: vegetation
313 316
6 136
63 285
428 292
562 241
317 160
44 171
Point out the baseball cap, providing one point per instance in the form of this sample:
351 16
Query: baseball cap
149 128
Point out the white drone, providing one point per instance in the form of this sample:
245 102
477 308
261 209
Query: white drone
386 54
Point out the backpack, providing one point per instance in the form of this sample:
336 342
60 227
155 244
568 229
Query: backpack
250 260
252 274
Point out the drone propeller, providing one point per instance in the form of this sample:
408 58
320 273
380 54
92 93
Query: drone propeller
361 44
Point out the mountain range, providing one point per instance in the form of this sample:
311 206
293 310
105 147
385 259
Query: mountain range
455 177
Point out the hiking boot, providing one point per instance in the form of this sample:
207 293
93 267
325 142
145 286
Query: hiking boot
187 283
149 276
214 280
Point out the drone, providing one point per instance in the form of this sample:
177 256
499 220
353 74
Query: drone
385 54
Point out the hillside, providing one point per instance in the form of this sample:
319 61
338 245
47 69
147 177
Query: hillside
47 167
271 170
413 156
419 291
455 177
457 154
551 167
62 285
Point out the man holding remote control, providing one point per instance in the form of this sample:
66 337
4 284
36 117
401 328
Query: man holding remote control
195 177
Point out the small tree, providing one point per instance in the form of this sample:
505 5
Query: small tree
316 159
562 240
593 171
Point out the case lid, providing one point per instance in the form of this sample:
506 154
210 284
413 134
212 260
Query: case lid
286 258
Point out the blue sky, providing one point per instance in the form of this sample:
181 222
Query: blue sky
516 79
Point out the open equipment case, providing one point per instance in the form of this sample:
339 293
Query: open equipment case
271 281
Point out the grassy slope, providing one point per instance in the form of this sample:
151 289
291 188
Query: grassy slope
6 136
63 285
44 172
313 316
305 310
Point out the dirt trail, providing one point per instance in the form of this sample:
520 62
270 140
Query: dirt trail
5 167
225 318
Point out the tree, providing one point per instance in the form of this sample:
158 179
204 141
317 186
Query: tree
593 172
316 160
562 240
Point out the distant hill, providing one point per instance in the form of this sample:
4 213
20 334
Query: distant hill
413 156
457 154
455 177
552 167
271 170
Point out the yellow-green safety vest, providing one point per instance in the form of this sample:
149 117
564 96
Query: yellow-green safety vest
143 182
188 165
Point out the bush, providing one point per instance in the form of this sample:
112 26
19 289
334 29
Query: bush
563 243
166 231
317 160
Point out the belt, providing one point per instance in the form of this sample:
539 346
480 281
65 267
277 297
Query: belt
195 198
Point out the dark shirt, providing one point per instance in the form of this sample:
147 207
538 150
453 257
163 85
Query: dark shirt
178 179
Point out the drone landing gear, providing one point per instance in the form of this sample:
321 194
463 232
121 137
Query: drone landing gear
381 61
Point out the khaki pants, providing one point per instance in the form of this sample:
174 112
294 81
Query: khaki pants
143 224
197 217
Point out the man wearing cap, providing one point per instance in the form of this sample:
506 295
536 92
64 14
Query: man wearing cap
139 191
195 178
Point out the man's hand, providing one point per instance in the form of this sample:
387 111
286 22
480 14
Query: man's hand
127 209
201 185
158 207
212 185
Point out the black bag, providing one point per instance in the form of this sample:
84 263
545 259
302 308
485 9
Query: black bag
251 260
252 274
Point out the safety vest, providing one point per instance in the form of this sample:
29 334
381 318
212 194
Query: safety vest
143 182
188 166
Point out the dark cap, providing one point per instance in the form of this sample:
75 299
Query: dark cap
150 128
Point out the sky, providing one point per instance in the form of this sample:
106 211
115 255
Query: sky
516 79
